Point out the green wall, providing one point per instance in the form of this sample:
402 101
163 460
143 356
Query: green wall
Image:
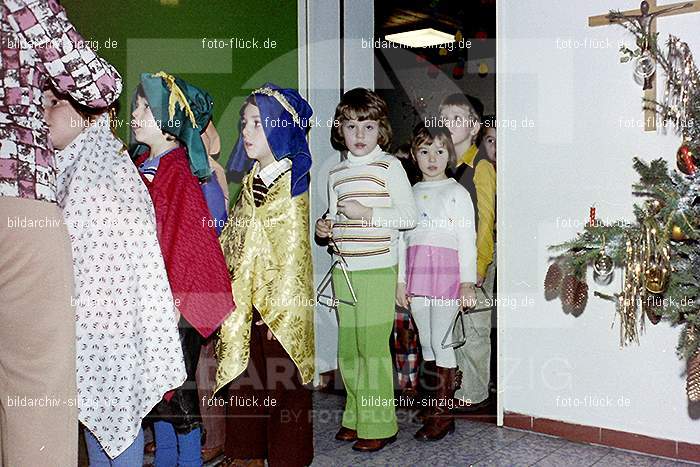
150 35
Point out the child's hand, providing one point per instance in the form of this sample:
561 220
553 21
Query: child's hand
270 336
468 295
402 299
323 228
354 210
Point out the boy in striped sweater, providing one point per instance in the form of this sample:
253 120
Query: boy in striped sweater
370 200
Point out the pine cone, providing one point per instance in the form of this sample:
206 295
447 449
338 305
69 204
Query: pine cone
568 292
580 298
552 281
652 308
692 385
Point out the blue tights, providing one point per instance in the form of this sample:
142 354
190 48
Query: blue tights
129 458
175 449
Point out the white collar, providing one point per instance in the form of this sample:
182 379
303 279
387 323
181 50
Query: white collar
271 172
369 157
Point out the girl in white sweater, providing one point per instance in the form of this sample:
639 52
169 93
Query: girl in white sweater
437 265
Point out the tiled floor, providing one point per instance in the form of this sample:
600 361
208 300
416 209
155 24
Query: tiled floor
472 443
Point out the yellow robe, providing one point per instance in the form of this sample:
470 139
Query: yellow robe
268 254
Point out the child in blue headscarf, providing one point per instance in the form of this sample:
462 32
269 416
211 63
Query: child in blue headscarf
267 248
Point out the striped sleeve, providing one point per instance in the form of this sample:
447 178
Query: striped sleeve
401 214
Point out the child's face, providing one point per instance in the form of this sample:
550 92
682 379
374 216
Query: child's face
254 139
432 160
459 120
360 136
146 130
65 123
489 143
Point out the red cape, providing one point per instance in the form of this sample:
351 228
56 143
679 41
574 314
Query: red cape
193 258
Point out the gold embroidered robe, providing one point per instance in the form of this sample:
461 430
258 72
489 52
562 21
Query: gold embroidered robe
268 254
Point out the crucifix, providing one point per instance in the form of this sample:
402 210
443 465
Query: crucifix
646 19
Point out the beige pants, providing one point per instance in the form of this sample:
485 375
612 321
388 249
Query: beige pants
38 409
474 357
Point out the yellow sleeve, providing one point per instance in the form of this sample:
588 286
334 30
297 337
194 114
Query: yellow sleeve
485 183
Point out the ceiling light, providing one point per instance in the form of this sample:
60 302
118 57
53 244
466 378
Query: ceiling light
421 38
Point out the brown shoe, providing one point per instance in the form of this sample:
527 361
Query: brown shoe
212 453
441 422
346 434
372 445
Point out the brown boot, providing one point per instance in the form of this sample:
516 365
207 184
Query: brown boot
441 422
428 384
346 434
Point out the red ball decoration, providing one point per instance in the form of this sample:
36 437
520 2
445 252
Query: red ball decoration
481 35
458 71
685 161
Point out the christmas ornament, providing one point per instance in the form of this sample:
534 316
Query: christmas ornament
442 52
591 216
657 261
603 266
681 83
644 65
481 35
552 281
458 36
458 71
483 69
685 161
652 308
603 269
631 289
677 234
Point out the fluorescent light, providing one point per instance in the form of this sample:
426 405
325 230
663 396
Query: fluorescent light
421 38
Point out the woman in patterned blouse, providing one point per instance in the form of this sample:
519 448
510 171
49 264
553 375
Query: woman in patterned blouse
37 333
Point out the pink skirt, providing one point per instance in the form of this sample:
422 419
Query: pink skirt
432 271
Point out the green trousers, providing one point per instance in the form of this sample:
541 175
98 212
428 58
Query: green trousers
363 351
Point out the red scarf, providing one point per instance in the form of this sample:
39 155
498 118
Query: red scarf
196 266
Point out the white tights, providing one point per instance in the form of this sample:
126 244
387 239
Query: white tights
433 318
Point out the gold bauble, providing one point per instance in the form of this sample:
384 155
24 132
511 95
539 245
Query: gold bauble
677 234
656 277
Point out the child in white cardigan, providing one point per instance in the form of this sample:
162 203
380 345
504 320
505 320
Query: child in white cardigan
437 265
